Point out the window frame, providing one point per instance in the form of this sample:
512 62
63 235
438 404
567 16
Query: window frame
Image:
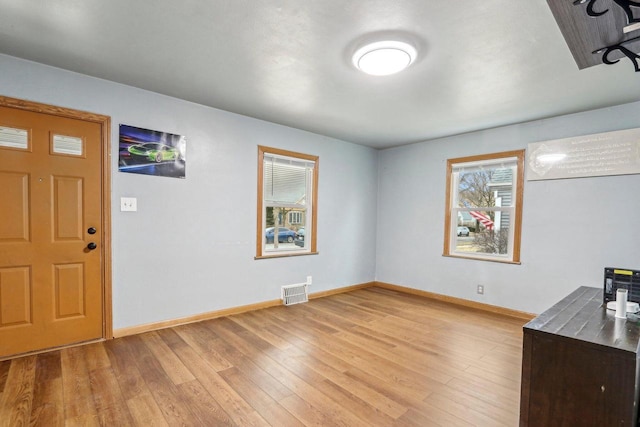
312 217
450 224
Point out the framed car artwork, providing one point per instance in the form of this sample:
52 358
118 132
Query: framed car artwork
151 152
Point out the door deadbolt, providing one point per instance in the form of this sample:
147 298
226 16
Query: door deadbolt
91 230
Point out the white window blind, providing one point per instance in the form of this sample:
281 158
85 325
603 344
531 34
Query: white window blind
286 179
14 138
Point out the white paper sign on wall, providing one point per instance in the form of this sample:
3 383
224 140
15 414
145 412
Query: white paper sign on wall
610 153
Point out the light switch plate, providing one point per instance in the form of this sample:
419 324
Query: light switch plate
128 204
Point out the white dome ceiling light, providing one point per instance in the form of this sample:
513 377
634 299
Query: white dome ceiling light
384 58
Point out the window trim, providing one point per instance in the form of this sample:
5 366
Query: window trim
313 250
518 197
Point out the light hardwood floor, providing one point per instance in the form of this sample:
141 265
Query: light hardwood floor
371 357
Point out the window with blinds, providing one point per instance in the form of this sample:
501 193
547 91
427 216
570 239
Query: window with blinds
484 206
287 183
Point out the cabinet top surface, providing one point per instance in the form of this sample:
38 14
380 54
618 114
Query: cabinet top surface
582 316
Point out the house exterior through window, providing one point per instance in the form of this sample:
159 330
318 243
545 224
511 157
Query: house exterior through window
295 217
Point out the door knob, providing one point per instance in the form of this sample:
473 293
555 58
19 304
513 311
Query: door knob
91 230
91 246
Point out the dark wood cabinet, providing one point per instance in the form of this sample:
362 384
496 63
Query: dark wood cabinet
580 365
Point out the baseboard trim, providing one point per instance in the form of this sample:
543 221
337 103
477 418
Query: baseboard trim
139 329
330 292
458 301
148 327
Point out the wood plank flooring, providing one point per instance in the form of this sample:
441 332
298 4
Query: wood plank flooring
371 357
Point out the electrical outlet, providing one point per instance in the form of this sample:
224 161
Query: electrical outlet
481 289
128 204
309 279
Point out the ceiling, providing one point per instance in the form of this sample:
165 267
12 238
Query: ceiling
480 64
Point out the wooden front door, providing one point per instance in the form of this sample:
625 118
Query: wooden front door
51 230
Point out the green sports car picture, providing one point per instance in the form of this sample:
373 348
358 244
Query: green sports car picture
155 152
152 152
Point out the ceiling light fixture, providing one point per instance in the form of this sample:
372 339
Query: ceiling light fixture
384 58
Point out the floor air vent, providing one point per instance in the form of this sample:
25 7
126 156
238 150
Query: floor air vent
294 294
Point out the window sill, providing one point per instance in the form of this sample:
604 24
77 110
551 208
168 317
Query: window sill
477 258
285 255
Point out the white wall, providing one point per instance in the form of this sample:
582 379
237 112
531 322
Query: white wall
571 229
190 247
